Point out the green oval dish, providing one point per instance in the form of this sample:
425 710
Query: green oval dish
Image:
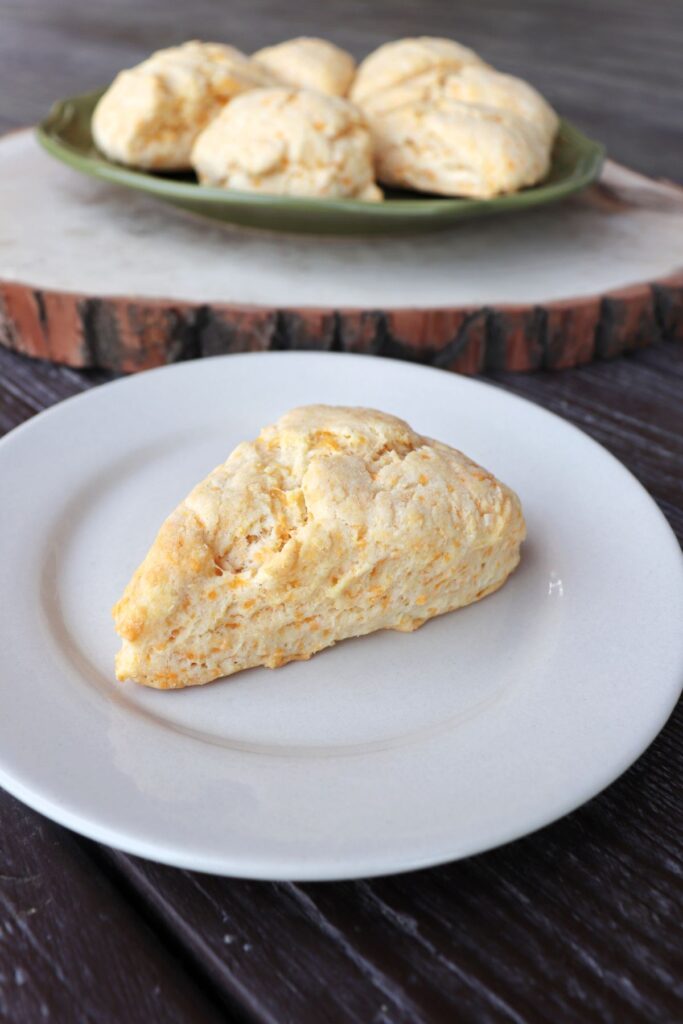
65 133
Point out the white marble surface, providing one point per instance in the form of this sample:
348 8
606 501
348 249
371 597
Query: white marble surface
61 230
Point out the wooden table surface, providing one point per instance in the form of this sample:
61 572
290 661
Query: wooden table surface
579 922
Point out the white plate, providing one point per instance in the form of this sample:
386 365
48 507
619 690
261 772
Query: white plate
383 754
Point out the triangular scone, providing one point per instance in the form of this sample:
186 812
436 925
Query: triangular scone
335 522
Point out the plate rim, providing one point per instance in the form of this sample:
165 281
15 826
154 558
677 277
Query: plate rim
310 870
416 209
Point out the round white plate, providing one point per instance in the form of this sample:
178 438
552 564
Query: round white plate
383 754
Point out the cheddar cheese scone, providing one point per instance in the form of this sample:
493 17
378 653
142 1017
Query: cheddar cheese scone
443 121
458 149
474 83
396 62
333 523
151 114
309 64
287 141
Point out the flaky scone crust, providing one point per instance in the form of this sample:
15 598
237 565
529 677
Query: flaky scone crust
476 84
333 523
309 63
444 122
151 114
285 141
453 148
402 59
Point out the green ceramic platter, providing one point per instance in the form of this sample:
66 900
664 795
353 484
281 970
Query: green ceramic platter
66 134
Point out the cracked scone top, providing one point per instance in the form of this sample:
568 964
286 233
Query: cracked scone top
333 523
403 59
475 84
443 121
461 149
151 114
309 63
285 141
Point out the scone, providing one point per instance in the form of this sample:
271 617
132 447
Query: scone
309 64
474 83
398 61
151 114
333 523
458 149
288 142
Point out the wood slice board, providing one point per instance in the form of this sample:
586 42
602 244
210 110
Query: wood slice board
93 275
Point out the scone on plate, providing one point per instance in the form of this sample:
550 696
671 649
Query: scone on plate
445 122
151 114
474 83
458 149
309 64
333 523
402 59
286 141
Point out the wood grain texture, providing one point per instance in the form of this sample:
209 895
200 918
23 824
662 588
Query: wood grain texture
578 923
127 335
480 317
71 949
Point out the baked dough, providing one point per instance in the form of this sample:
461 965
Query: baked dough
458 149
151 114
334 523
443 121
474 83
309 64
398 61
288 142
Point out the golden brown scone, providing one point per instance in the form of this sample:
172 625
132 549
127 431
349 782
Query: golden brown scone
309 64
398 61
474 83
286 141
333 523
458 149
151 114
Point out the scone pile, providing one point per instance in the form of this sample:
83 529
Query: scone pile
300 119
333 523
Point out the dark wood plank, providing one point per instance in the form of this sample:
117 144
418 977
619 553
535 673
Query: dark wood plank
71 949
578 922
